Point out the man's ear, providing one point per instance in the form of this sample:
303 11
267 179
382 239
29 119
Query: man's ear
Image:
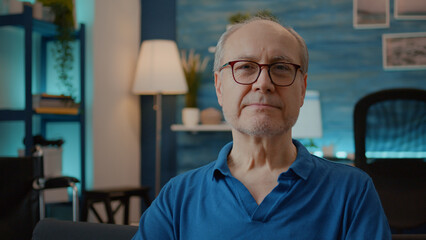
303 88
218 87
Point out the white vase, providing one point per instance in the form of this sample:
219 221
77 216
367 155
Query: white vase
38 10
15 6
190 116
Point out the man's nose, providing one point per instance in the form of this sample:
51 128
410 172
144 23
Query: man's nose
264 82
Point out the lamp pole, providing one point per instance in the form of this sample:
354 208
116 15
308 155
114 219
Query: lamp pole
158 110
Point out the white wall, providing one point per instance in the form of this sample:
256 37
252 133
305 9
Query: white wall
116 112
112 111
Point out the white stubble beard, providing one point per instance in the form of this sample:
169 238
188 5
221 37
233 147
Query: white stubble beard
260 127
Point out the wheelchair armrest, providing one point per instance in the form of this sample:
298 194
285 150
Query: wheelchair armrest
55 182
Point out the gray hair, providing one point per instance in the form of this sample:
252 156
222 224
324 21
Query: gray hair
304 56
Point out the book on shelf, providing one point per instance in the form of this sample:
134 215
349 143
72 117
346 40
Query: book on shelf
54 104
56 110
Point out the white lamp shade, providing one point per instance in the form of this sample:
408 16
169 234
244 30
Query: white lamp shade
159 70
309 124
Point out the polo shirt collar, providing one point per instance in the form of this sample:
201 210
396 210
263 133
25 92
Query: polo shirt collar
302 166
221 165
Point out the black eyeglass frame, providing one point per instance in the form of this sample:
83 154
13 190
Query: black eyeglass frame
232 63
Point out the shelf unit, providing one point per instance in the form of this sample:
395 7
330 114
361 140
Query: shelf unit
47 32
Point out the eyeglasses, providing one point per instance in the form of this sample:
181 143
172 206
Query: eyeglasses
247 72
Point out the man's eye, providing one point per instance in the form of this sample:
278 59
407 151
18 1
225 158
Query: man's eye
282 67
245 66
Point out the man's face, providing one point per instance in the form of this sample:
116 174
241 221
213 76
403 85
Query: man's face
260 109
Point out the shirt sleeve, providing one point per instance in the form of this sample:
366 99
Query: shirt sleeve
368 219
157 221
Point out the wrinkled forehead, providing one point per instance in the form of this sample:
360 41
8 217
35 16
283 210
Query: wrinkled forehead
262 40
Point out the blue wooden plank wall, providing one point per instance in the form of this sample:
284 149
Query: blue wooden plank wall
345 63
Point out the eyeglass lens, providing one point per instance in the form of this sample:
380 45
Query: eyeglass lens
248 72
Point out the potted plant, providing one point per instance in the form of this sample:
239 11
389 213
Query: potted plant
63 11
238 17
241 17
193 68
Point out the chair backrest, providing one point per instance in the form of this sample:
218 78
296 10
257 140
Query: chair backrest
390 145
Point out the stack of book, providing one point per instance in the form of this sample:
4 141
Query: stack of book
54 104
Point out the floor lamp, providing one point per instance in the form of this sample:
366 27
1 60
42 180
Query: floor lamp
159 72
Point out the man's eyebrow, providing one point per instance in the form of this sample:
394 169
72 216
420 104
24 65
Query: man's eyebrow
247 57
273 59
282 58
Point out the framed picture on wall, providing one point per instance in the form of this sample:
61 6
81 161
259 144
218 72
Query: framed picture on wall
410 9
404 51
371 14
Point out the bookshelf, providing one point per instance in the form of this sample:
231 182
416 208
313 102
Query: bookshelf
47 31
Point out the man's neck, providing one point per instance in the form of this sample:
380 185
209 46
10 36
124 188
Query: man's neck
258 161
274 152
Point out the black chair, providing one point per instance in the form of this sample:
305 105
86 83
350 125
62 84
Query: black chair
390 145
21 195
18 201
109 195
42 182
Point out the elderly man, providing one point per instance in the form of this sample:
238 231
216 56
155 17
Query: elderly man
264 185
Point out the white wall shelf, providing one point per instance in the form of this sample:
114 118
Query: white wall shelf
308 125
223 127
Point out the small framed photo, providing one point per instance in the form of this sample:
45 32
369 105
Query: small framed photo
371 14
410 9
404 51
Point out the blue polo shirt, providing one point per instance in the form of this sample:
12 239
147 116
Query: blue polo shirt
314 199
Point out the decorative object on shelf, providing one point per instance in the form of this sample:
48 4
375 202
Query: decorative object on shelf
328 151
159 71
48 100
211 116
38 10
11 7
193 68
45 13
190 116
63 10
55 104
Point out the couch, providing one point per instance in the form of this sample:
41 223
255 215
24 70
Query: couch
52 229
